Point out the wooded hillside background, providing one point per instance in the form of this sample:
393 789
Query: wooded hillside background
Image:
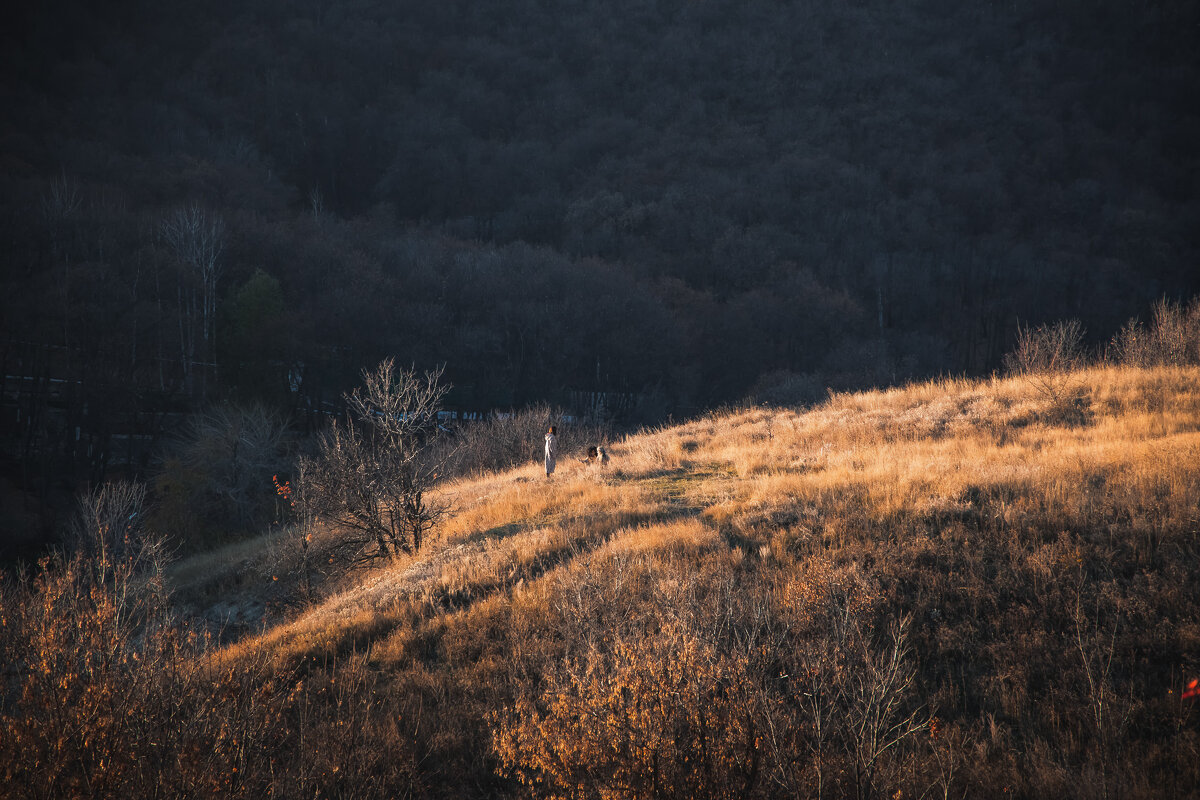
684 202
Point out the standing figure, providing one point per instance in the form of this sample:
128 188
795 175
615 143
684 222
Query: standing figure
551 451
602 455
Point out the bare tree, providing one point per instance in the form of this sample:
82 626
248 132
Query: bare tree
1047 348
1109 710
229 453
857 691
109 529
373 472
197 238
877 694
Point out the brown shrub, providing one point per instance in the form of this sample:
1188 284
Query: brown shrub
726 689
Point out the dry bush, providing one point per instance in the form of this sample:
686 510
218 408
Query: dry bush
1046 348
1046 356
730 683
847 712
666 716
109 528
75 637
1173 338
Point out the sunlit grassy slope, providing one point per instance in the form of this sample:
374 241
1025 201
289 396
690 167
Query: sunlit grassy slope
1038 543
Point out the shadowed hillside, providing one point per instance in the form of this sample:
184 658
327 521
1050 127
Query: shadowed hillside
955 587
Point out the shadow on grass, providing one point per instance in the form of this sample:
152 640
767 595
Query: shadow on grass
585 533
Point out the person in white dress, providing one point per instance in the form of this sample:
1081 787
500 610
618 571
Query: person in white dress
551 451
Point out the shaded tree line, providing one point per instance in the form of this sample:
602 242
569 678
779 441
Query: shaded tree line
681 201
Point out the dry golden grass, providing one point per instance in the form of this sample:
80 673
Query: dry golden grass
1004 581
956 500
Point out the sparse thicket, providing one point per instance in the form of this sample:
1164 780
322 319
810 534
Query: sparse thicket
508 440
1172 339
109 527
298 552
213 483
77 636
659 715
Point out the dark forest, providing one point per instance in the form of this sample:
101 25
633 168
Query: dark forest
659 207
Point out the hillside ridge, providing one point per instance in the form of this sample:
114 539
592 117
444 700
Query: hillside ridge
723 467
983 588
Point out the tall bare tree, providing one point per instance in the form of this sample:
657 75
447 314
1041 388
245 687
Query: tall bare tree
60 207
373 472
109 529
197 239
